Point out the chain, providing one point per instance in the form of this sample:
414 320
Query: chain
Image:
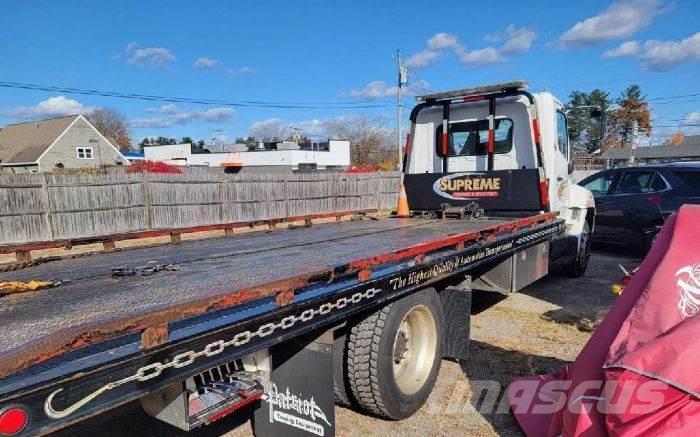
185 359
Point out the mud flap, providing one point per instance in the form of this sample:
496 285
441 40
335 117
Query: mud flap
299 398
456 306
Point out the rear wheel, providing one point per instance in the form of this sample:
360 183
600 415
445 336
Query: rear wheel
577 267
394 355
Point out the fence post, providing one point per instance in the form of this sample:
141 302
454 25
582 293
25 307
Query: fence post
48 214
146 187
286 196
225 203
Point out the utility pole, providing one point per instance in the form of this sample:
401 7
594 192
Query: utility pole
402 76
635 125
402 209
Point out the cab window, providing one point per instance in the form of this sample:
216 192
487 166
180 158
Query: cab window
600 185
562 134
470 138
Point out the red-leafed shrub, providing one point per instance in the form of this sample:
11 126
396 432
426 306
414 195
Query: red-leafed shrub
153 167
354 170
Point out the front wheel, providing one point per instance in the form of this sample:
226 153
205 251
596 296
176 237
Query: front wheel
577 267
394 355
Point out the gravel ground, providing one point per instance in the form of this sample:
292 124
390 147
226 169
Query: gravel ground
531 332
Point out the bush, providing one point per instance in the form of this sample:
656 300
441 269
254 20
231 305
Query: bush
153 167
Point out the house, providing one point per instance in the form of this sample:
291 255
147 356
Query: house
287 156
64 142
687 150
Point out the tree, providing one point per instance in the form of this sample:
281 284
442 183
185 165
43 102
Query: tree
584 130
113 125
156 141
371 143
270 131
675 140
632 106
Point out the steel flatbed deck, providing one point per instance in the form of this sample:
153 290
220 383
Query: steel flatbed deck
97 341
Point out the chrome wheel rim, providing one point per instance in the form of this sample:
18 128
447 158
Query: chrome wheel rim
414 349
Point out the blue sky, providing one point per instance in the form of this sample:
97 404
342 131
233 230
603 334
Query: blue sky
310 53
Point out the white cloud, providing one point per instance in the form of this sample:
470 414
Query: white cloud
659 55
234 72
692 118
378 89
280 128
422 59
625 50
207 63
480 57
171 115
442 40
620 20
146 56
57 106
211 64
515 40
664 55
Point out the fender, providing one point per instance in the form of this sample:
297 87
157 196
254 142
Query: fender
576 203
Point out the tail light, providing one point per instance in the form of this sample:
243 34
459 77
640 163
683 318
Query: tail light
13 420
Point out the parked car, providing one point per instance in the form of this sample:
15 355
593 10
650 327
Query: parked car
633 202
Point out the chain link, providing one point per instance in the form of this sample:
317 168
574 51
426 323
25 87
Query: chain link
185 359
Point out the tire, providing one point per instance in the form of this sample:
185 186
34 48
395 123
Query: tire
577 267
394 355
341 390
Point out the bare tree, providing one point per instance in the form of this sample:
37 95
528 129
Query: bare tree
113 125
372 144
270 130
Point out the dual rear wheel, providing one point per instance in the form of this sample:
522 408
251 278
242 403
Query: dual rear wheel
391 358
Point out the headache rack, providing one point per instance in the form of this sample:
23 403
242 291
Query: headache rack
489 94
483 91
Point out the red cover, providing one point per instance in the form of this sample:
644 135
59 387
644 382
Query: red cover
638 372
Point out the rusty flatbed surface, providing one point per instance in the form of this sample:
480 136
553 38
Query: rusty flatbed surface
92 305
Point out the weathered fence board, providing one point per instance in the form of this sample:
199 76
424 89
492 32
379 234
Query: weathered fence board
50 207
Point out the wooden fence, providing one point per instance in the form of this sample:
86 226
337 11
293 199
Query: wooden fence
48 207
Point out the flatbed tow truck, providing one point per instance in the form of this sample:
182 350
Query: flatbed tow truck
280 325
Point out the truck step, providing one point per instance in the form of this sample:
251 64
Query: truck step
220 391
219 399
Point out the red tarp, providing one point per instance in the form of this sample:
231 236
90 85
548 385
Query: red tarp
640 371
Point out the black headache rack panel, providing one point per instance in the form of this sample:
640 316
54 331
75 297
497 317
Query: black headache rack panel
69 398
497 190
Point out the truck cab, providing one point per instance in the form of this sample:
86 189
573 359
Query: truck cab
500 150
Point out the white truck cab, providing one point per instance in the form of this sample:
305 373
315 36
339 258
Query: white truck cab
500 150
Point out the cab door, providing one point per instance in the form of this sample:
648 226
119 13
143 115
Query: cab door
560 173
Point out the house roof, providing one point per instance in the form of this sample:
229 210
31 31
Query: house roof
689 148
25 142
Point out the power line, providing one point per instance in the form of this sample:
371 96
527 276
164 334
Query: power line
677 125
676 97
196 101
